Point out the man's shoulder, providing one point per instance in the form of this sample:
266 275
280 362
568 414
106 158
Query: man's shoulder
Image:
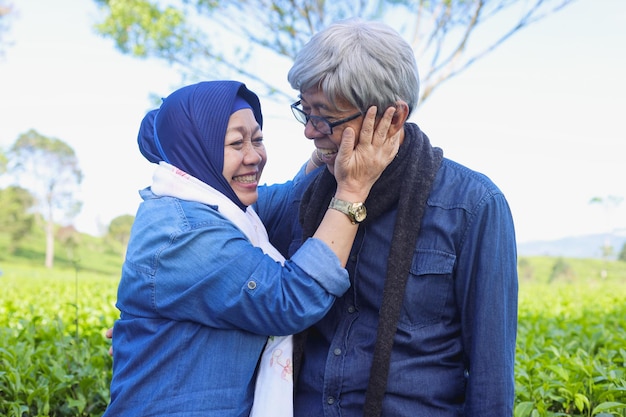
457 184
455 171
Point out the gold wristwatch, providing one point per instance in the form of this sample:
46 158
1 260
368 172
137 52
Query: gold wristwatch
355 211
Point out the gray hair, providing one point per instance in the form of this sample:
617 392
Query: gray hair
364 62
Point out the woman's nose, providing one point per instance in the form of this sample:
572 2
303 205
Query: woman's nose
252 156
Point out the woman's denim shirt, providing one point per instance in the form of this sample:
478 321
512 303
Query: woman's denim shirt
197 303
453 352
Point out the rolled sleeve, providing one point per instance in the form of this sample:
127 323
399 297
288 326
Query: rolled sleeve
332 276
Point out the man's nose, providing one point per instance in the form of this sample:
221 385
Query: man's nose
311 132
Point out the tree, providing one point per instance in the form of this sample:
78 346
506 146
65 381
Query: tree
3 162
561 269
609 203
69 237
6 13
208 39
15 217
49 169
119 230
622 254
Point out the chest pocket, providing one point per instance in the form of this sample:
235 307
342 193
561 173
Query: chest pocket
428 289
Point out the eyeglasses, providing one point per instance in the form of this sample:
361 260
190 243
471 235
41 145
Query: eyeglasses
320 124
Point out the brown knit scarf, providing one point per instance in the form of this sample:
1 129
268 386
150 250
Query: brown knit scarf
406 182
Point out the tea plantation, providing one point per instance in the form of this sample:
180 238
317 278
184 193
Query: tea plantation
571 352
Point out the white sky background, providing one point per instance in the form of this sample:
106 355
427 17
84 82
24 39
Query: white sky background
544 116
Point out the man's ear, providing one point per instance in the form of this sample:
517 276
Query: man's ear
399 117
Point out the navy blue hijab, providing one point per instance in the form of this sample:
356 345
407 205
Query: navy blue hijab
189 128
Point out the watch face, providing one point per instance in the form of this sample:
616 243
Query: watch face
359 213
355 211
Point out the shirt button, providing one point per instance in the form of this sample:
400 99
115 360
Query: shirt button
330 400
337 351
251 285
351 309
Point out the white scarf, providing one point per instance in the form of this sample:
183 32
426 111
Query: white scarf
273 394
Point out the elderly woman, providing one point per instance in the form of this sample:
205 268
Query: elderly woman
202 289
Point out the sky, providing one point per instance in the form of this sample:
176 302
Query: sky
543 116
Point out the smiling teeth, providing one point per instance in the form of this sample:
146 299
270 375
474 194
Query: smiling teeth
246 178
326 153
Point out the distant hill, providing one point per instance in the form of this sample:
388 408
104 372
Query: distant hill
589 246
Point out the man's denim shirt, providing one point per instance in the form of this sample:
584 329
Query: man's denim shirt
454 349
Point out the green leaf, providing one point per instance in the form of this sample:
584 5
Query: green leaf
606 406
524 409
581 401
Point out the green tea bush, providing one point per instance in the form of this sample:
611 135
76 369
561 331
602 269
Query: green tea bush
54 357
571 350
